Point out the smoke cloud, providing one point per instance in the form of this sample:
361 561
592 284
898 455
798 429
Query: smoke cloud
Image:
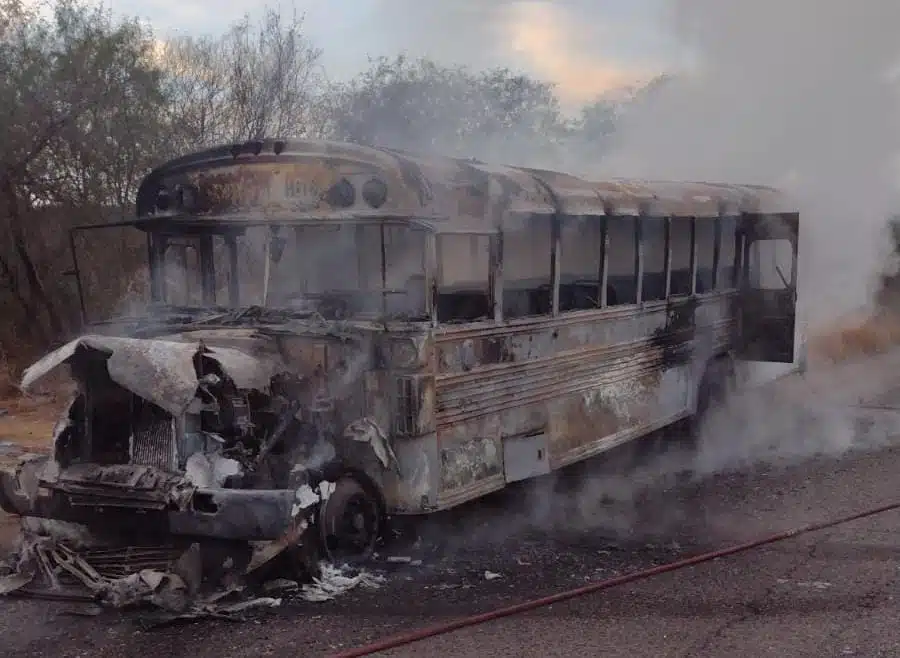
801 95
585 47
795 94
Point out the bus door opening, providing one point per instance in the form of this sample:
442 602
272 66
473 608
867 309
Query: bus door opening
767 299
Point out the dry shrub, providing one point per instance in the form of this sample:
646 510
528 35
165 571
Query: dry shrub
7 387
855 337
49 395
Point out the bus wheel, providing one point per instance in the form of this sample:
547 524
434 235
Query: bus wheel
350 521
715 386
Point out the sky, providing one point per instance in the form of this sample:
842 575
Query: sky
586 47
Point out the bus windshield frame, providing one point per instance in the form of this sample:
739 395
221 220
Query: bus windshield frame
340 270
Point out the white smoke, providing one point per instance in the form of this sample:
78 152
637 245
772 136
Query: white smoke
797 94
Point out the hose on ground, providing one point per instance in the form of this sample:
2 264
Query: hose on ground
402 639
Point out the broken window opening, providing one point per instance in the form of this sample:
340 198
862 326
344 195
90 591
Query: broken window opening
681 249
771 264
706 248
527 266
225 270
463 281
727 279
622 257
372 269
182 279
655 249
581 260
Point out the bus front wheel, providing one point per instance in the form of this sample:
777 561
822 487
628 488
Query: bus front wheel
351 521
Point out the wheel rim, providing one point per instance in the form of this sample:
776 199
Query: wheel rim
351 521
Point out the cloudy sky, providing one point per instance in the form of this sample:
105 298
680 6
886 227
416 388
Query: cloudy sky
585 46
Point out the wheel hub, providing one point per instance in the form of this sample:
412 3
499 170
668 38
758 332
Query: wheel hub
350 521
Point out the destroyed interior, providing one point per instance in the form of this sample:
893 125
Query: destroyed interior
338 334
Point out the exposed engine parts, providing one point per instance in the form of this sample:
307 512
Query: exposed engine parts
175 440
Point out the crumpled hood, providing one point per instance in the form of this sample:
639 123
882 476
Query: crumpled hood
161 371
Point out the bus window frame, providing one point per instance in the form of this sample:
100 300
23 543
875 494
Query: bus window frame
695 269
644 219
557 254
159 243
733 282
560 255
434 268
512 223
637 257
738 257
638 228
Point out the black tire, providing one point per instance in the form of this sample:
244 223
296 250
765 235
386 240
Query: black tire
715 386
351 521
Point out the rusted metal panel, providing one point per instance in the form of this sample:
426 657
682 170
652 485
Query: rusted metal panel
574 195
414 488
586 380
526 456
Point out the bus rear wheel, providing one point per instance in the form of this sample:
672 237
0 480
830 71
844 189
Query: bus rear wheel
715 386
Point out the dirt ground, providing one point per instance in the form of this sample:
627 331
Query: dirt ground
26 425
832 593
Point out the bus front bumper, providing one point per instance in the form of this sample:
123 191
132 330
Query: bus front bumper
233 514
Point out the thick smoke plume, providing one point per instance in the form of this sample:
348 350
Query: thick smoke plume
799 95
795 94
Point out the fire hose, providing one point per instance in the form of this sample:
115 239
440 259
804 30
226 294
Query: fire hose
402 639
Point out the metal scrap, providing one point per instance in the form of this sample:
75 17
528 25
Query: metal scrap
173 593
281 585
161 371
13 582
333 582
366 430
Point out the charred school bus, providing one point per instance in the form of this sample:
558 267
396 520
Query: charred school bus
337 334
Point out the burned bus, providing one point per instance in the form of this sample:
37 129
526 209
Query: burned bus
338 334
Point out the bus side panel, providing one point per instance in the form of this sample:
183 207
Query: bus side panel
414 487
470 457
572 386
609 414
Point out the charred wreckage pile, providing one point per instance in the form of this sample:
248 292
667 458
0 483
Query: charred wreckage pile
184 475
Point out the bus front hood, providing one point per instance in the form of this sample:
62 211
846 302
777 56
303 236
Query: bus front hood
158 370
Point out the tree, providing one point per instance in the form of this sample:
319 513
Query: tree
599 120
82 100
422 106
256 80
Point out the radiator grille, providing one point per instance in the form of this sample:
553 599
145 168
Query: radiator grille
406 414
153 439
412 406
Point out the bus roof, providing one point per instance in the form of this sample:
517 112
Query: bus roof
314 181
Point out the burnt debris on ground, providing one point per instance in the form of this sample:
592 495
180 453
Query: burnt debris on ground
167 582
